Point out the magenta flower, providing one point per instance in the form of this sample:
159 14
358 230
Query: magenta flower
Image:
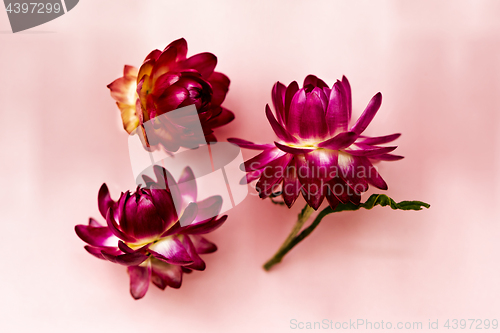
318 154
145 233
167 81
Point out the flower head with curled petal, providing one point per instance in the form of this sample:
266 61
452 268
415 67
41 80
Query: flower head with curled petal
167 81
157 240
318 154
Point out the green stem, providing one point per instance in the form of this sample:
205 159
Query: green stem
302 218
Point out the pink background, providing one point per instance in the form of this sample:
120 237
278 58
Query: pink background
437 64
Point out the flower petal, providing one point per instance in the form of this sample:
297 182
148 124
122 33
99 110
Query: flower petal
293 150
202 245
115 229
337 116
372 175
164 205
291 90
278 97
198 263
204 227
348 96
96 236
387 157
220 86
291 185
187 186
340 141
181 47
249 145
171 250
272 175
164 274
312 119
261 160
104 201
367 116
208 208
278 129
372 151
127 259
204 63
139 280
379 139
297 108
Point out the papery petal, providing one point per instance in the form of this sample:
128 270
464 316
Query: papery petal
337 115
249 145
367 116
189 214
139 280
314 81
208 208
272 175
353 172
340 141
202 245
127 259
293 150
372 175
187 186
96 251
348 96
129 116
204 227
204 63
278 97
278 129
312 119
115 229
96 236
171 98
198 264
251 176
171 250
379 139
225 117
261 160
291 90
297 108
104 201
181 47
372 151
291 185
220 86
164 205
164 63
387 157
164 274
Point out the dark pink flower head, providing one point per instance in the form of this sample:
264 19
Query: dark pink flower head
318 154
145 232
167 81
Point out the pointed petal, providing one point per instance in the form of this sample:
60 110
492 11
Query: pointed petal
139 280
372 151
127 259
293 150
297 108
387 157
164 274
291 185
348 96
96 236
372 175
272 175
187 186
277 128
249 145
104 200
291 90
204 227
261 160
278 97
189 214
96 251
198 264
367 116
312 119
337 117
208 208
171 251
340 141
181 47
202 245
379 139
204 63
220 86
115 229
164 205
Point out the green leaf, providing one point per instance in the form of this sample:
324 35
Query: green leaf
381 200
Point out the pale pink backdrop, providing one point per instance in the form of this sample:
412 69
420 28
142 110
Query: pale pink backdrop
437 64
